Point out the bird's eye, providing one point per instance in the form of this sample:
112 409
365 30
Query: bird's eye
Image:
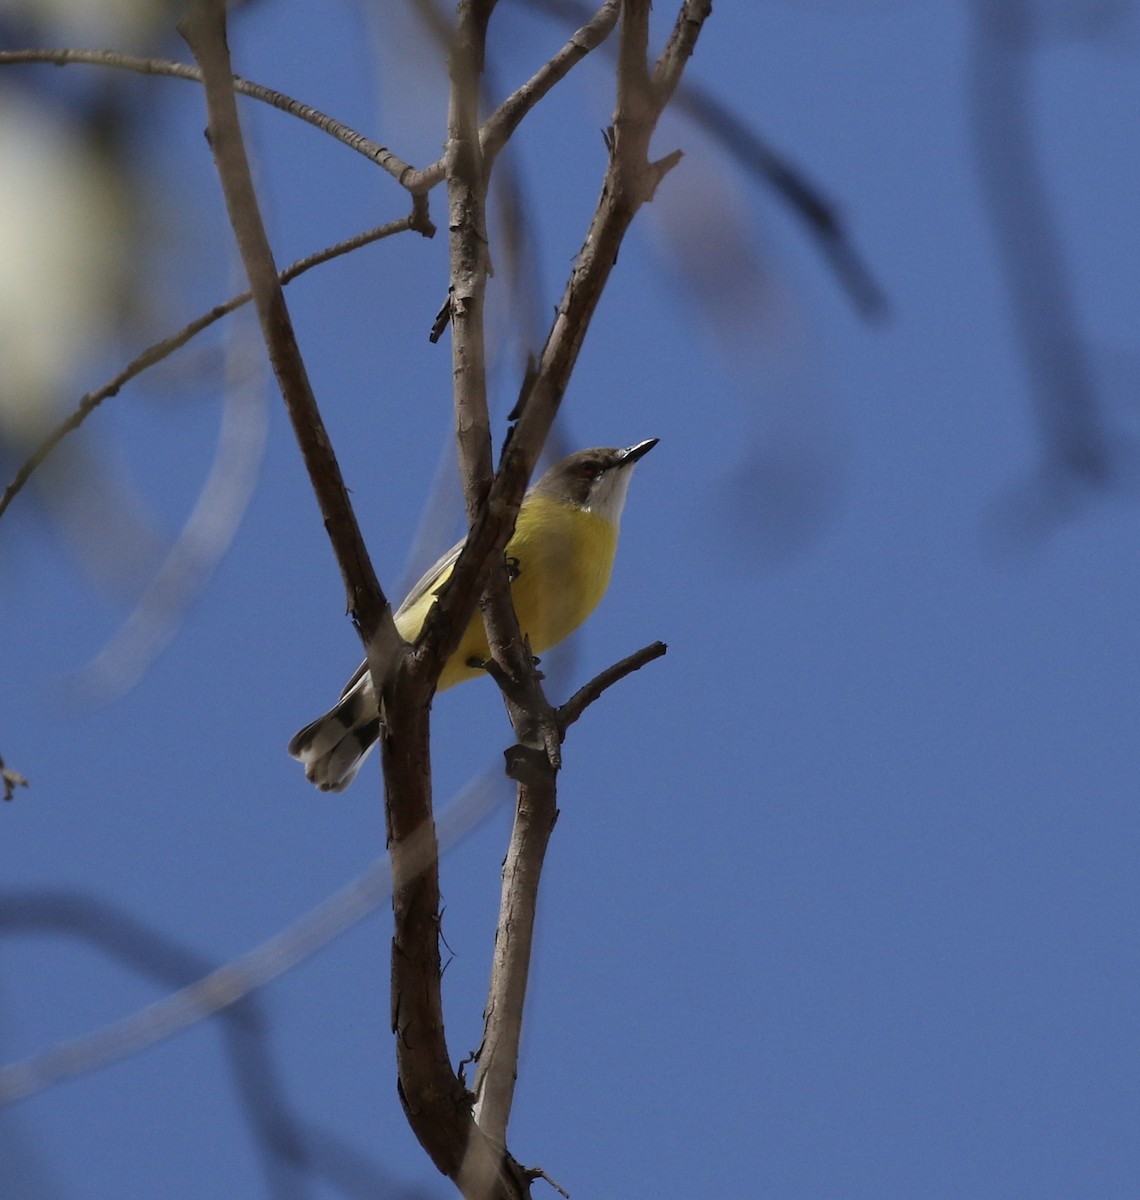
589 470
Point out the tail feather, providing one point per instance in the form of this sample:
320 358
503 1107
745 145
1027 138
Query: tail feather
334 746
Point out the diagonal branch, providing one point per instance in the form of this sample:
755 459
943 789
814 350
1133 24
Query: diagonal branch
205 32
678 49
744 144
502 123
569 712
629 182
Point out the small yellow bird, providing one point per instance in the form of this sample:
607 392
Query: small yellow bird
561 555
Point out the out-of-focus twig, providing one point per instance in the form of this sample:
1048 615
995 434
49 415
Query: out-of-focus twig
289 1146
745 145
163 349
1077 446
11 780
199 547
275 1130
227 985
818 213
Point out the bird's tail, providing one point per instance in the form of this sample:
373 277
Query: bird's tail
333 747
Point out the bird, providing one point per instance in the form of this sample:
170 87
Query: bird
559 558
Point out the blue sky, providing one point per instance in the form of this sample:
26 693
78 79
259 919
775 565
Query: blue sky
843 897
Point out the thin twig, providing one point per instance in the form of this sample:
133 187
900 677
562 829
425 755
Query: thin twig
539 1173
569 712
163 349
401 171
499 126
743 143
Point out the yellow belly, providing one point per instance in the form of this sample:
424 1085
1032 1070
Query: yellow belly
564 558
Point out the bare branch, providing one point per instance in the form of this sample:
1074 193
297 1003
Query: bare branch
756 156
205 32
163 349
499 126
466 199
436 1103
679 48
569 712
490 524
535 814
629 182
633 100
401 171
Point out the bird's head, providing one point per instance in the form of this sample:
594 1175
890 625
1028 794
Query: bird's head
594 480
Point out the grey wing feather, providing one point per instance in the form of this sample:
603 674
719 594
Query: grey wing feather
423 586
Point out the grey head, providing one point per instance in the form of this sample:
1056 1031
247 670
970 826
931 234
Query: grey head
595 480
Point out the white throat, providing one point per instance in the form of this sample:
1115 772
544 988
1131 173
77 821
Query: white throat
607 497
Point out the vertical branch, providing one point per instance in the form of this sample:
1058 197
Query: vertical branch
436 1103
467 225
631 180
535 814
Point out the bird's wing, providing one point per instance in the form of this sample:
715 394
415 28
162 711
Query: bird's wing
431 581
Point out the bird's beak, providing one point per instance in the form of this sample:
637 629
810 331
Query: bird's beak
630 455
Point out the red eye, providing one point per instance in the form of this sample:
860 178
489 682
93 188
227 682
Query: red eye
589 470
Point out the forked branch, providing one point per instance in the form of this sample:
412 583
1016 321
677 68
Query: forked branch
630 181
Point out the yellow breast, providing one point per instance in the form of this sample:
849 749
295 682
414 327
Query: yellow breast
564 558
